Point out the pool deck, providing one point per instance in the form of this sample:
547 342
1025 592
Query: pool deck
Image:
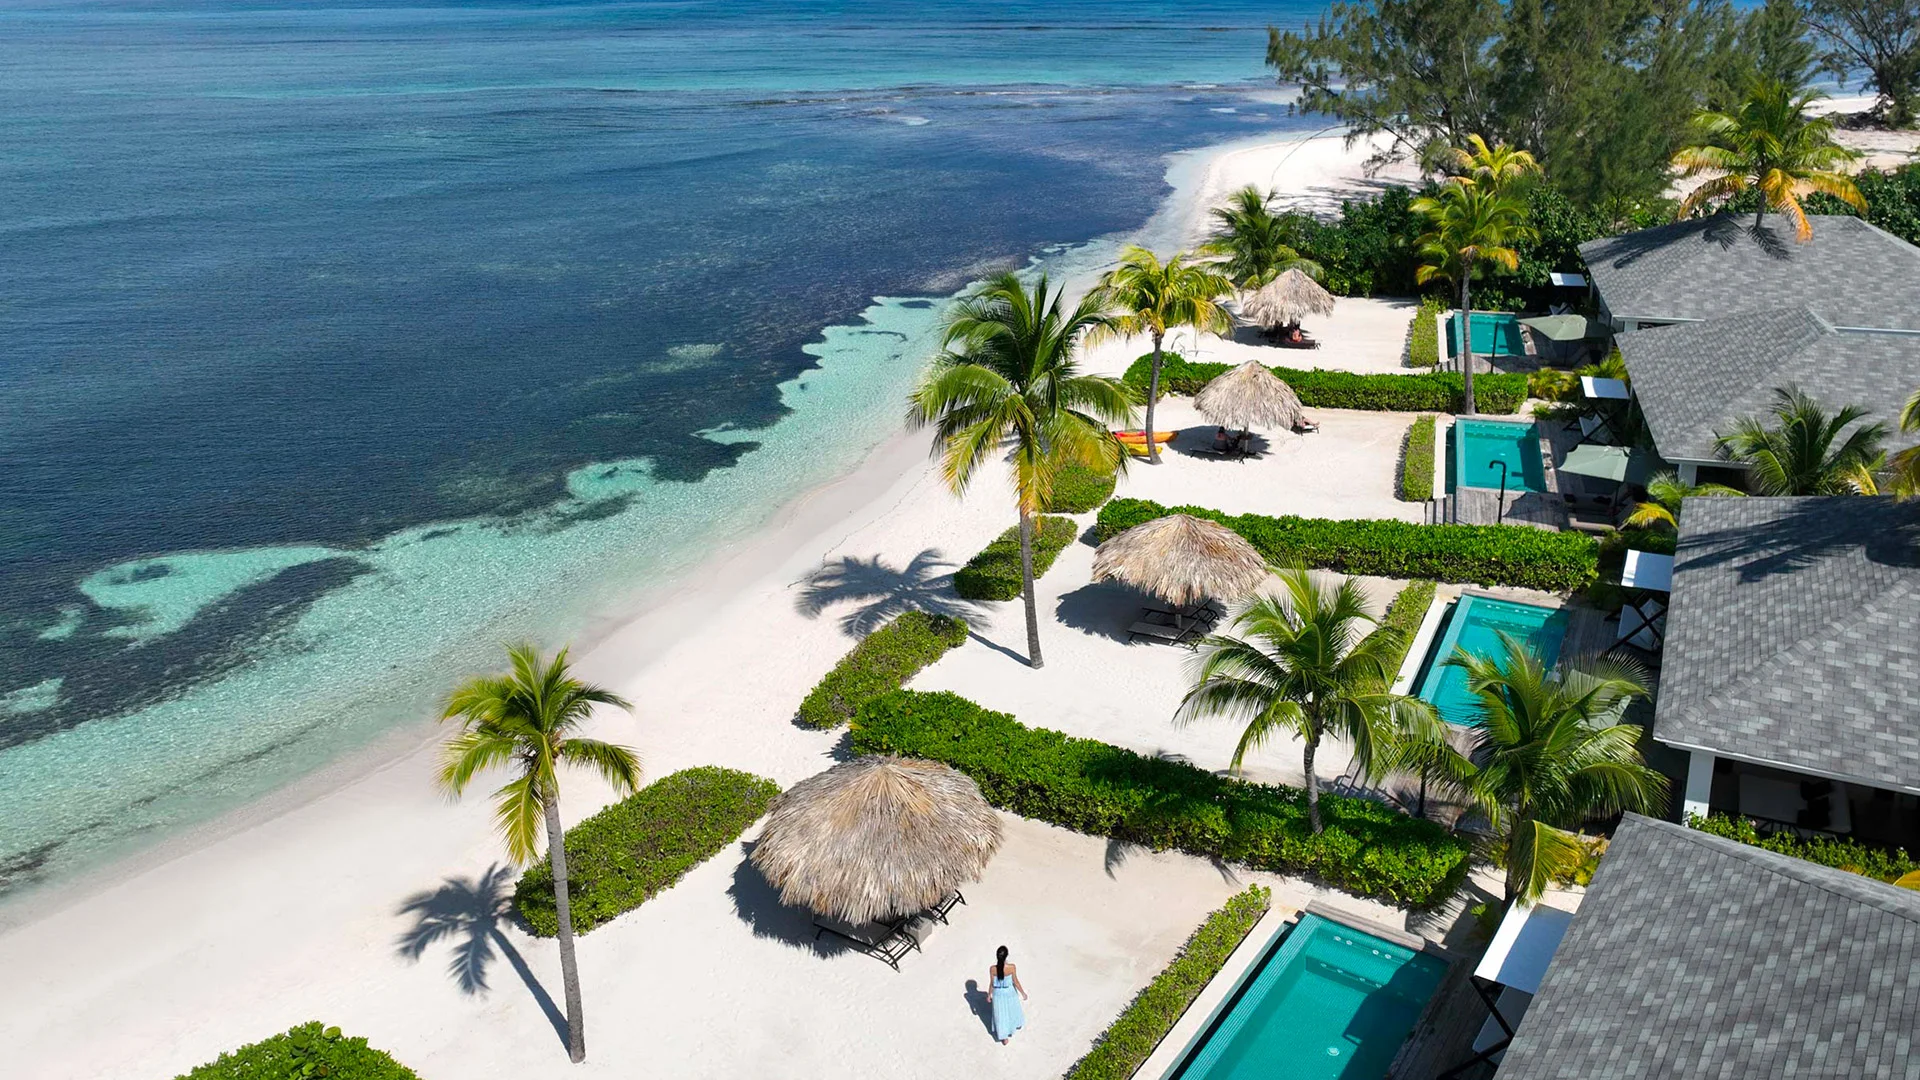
1538 509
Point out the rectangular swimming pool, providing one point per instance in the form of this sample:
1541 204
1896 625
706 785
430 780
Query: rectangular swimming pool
1475 624
1495 333
1475 446
1329 1003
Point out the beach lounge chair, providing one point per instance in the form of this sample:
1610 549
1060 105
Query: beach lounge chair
1180 631
890 945
1208 611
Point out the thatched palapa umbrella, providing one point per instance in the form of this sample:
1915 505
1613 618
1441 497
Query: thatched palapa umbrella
1286 300
1183 560
1250 396
877 837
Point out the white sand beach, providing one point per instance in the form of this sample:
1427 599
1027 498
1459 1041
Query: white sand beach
291 911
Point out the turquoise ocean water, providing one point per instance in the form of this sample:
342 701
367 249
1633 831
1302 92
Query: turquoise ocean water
342 342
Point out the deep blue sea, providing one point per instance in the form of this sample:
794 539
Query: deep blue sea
339 342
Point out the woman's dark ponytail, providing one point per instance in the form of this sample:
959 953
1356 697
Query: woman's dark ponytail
1000 962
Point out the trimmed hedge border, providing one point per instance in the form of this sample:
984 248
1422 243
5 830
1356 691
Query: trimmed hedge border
994 574
1079 489
1092 787
1416 462
1437 391
309 1050
1850 855
884 660
1423 344
1406 612
622 856
1478 554
1130 1040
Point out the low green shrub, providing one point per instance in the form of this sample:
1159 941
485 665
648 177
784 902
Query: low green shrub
1436 391
1405 614
994 574
884 660
1079 489
1481 554
620 857
1092 787
309 1050
1554 384
1416 462
1423 341
1883 864
1130 1040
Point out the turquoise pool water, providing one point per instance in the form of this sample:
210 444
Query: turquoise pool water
1495 333
1330 1002
1475 624
1473 447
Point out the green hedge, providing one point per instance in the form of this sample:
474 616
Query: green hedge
620 857
1423 343
883 661
309 1050
1079 489
1092 787
1405 613
1482 554
1416 462
1126 1045
994 574
1437 391
1883 864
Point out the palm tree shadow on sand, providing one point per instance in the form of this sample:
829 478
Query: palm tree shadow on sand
470 914
881 592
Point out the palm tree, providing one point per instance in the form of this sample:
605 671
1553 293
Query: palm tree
1151 297
1473 227
1661 510
1492 167
1770 145
1808 452
1254 244
1008 382
1904 467
1548 752
525 719
1302 664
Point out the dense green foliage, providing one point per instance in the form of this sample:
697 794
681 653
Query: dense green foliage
884 660
1892 195
1423 338
1078 489
1092 787
1882 864
994 574
1438 391
1483 554
1879 37
1127 1043
307 1051
1416 462
1406 612
620 857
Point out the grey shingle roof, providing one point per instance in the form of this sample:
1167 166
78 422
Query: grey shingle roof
1694 956
1851 273
1794 635
1694 380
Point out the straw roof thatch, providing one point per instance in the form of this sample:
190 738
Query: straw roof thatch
1286 299
876 837
1182 560
1250 396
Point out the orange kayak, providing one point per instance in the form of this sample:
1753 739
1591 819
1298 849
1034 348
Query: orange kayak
1141 436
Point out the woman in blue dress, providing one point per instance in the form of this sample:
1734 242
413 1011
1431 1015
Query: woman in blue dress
1004 993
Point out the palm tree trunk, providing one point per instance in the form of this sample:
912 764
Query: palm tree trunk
1313 782
1026 584
1153 395
563 906
1467 406
1760 215
1513 837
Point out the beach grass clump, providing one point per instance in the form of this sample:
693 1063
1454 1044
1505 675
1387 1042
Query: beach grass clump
994 574
1127 1043
622 856
1435 391
1078 489
1475 554
884 660
1416 462
1423 336
1092 787
1841 853
309 1050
